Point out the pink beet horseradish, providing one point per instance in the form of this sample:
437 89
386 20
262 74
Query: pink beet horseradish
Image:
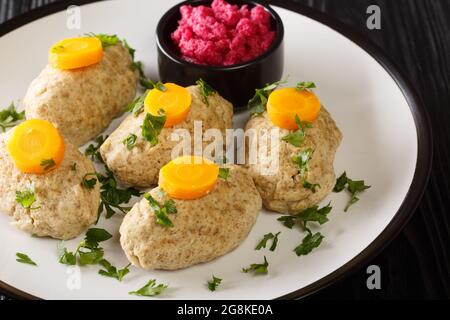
223 34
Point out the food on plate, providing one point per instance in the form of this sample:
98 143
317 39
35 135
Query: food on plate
172 230
309 140
86 83
46 185
223 34
142 143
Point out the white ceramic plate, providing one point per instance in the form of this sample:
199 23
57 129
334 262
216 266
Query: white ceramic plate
386 143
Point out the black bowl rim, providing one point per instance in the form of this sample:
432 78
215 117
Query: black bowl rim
415 103
279 37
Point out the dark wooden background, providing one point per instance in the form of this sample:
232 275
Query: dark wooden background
416 35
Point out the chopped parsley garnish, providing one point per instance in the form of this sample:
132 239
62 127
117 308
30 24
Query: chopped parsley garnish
47 164
9 117
144 81
259 101
312 214
161 211
214 283
23 258
74 167
113 197
258 268
224 173
302 86
89 183
92 151
130 141
89 252
296 138
309 242
302 161
311 186
267 237
205 89
136 106
150 289
111 271
26 198
354 187
106 39
152 126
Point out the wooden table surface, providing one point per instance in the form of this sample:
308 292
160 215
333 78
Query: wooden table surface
416 36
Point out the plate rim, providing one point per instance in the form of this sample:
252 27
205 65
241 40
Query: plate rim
415 104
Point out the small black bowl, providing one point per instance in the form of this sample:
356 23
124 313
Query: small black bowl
236 83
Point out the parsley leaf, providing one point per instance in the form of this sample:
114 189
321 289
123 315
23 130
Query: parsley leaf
355 187
47 164
137 105
26 198
224 173
214 283
106 39
152 126
9 117
23 258
150 289
302 160
309 242
89 183
89 252
130 141
296 138
92 151
267 237
312 214
74 167
258 268
144 81
64 256
304 86
259 101
113 197
205 89
341 182
311 186
161 211
111 271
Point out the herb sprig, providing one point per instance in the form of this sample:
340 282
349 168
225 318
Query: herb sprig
259 101
88 251
9 117
205 89
26 198
354 187
130 141
92 151
224 173
111 196
297 137
161 211
214 283
112 272
305 86
258 268
23 258
265 239
152 126
150 289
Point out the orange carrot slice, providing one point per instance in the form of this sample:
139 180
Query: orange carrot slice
283 104
188 177
73 53
175 101
36 146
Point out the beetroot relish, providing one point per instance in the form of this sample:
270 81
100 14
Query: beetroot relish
223 34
